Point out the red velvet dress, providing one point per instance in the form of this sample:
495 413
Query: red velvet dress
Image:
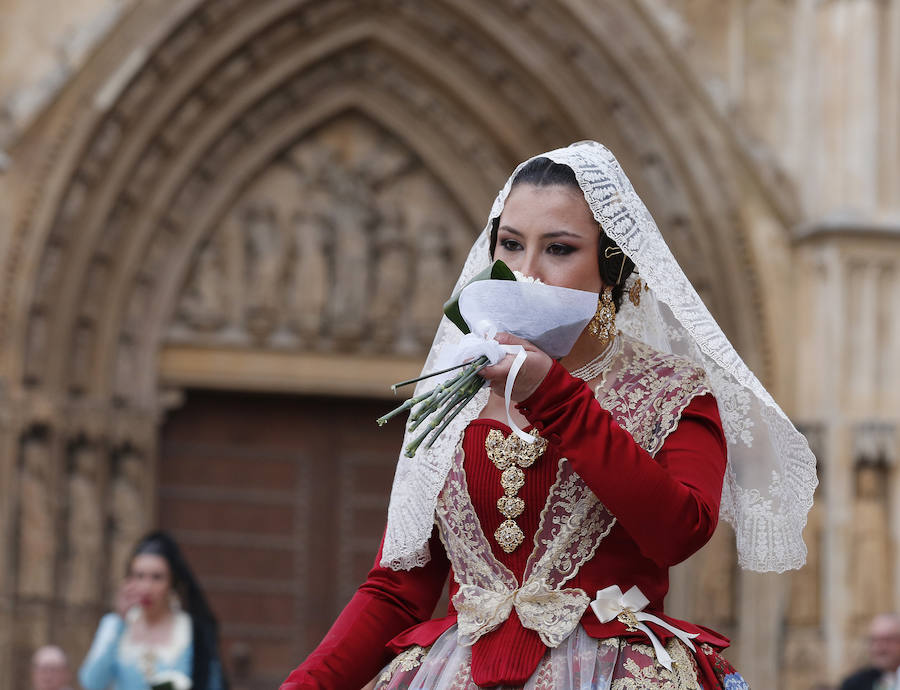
665 505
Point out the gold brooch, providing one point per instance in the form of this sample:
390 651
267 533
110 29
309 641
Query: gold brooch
511 455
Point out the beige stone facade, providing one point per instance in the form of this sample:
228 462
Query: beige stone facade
236 195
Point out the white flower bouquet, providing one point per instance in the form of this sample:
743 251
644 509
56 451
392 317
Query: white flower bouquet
496 300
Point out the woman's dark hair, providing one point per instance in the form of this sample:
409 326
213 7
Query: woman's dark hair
615 267
203 622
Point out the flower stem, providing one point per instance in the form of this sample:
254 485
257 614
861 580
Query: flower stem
439 423
395 386
465 401
405 406
449 389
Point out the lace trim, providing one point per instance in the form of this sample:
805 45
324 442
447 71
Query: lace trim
573 522
464 540
646 391
407 660
488 589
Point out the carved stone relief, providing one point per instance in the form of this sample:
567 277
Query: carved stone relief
126 518
85 526
346 242
871 546
36 555
205 297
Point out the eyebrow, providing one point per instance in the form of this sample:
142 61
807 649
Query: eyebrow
546 235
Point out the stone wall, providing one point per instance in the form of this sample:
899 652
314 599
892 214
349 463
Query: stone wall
152 161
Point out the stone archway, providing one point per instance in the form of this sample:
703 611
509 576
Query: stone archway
147 181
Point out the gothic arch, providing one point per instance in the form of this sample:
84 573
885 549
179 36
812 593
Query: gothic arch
513 95
140 163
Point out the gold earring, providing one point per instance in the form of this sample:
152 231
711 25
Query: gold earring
603 325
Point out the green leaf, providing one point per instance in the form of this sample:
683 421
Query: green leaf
496 271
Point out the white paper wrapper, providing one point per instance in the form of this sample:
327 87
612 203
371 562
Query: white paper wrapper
551 317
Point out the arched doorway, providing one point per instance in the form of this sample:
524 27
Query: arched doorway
239 195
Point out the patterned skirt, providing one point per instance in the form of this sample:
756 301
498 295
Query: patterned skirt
579 663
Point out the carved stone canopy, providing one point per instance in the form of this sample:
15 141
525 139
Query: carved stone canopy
875 443
345 242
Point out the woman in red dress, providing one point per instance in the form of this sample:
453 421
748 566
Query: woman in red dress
558 550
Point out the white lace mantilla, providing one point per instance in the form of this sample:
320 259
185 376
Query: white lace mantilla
645 391
771 475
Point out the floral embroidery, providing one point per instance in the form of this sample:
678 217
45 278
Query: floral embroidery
407 660
582 661
643 673
646 391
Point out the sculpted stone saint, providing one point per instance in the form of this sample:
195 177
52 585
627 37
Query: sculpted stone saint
85 527
353 216
391 279
265 245
126 513
431 267
204 302
871 546
36 550
309 295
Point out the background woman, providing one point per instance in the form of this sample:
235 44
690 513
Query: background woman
162 630
559 550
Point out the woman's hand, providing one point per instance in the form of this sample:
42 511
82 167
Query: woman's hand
534 369
126 597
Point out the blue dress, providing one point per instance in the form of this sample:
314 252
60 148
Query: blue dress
118 662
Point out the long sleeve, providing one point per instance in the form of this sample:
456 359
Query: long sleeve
669 503
99 668
385 605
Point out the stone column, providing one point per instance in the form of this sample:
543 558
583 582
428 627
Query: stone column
8 442
889 200
845 169
761 598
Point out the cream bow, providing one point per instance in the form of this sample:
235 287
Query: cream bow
552 613
628 608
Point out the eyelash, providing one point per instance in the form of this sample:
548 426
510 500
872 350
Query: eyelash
555 249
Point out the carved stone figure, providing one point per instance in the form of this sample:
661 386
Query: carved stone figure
36 347
36 520
204 302
432 278
81 356
265 263
85 527
392 283
126 368
309 286
871 546
353 216
126 507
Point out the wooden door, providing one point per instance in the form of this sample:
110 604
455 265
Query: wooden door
279 503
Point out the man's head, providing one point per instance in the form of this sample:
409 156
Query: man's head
49 669
884 641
